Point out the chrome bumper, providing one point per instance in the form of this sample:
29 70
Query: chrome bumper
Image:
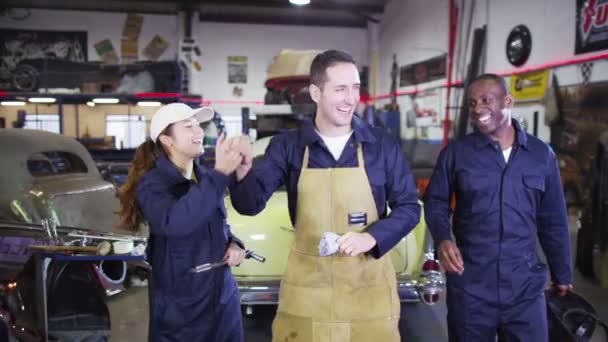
266 292
259 292
407 289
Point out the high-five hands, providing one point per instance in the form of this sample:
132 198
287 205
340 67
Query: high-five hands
227 159
233 154
243 146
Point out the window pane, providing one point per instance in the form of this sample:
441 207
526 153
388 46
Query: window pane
128 130
44 122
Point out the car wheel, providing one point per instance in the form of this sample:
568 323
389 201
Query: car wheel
25 78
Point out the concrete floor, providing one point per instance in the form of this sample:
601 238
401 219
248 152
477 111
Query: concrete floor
129 314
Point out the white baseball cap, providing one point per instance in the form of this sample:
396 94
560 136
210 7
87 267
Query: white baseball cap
174 112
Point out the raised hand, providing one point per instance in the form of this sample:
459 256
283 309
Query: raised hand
246 151
227 158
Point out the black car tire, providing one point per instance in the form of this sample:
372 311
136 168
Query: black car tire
25 78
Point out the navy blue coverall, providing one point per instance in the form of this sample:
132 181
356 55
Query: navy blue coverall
188 227
501 207
388 172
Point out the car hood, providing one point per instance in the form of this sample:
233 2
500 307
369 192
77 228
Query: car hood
269 233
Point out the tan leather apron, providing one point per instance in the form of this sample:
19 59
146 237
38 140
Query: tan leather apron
336 298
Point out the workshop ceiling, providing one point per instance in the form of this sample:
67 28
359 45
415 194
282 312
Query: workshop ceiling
345 13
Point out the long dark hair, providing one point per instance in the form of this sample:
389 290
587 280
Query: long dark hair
144 159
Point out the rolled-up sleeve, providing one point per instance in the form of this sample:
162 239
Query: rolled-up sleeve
437 210
402 198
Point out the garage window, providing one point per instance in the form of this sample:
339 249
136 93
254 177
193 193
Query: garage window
43 122
129 131
54 163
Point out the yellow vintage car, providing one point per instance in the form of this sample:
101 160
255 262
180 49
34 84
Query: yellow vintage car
271 234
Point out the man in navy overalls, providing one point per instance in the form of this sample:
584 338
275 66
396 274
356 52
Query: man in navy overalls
508 191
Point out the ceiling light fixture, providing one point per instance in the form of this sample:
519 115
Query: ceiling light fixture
149 104
42 100
299 2
106 100
12 103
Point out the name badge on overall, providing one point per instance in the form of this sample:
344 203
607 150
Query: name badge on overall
357 218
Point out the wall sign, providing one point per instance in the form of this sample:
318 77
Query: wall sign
237 69
591 25
530 86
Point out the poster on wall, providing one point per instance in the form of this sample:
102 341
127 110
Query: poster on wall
106 51
237 69
129 43
529 86
591 26
128 50
155 48
422 72
132 26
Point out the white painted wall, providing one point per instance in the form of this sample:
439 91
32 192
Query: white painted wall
100 26
417 30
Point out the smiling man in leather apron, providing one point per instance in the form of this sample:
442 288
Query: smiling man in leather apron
508 192
340 174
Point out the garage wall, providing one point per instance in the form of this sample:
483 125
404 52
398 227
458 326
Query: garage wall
100 26
260 43
416 31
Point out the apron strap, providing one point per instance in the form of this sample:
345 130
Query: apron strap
305 159
360 160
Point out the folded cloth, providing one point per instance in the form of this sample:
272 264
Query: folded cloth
328 244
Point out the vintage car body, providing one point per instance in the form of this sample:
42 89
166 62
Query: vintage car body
271 234
47 175
52 177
